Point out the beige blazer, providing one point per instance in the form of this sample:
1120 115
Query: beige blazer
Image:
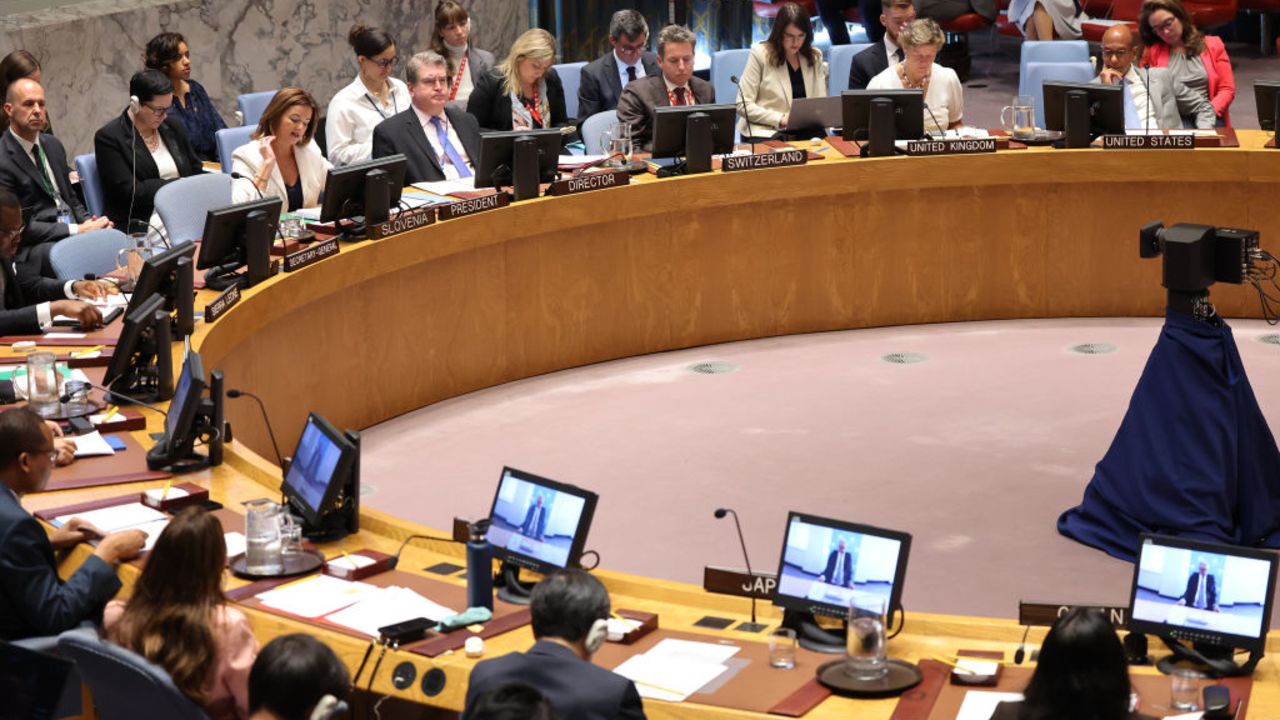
765 90
313 170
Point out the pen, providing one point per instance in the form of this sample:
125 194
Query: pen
112 411
941 659
658 687
90 351
350 562
165 494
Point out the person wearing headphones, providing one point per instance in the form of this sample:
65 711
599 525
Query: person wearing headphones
141 151
570 611
297 677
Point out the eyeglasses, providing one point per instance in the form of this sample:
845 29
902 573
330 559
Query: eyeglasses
161 111
11 234
440 80
1165 26
384 64
1116 53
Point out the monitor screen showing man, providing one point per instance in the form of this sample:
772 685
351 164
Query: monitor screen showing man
315 463
827 567
534 519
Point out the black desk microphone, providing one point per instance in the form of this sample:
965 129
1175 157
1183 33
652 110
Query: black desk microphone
720 513
235 393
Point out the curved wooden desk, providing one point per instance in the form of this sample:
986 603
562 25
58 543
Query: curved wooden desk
388 327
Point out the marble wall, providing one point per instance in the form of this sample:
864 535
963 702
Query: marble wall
89 51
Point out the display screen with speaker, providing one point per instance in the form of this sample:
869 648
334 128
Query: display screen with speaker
142 365
322 484
192 417
1100 111
692 132
503 164
167 275
237 236
881 117
362 194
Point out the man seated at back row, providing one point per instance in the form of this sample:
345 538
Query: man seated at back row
604 78
876 59
1160 100
439 142
675 85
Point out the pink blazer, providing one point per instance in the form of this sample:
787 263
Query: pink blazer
1222 83
229 679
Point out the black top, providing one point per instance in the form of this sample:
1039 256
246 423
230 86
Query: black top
200 119
123 156
294 192
490 104
797 81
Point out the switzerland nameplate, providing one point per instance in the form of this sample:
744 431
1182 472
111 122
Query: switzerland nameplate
757 161
1148 142
309 255
588 182
222 303
951 147
474 205
403 222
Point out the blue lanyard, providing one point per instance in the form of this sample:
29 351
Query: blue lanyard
395 107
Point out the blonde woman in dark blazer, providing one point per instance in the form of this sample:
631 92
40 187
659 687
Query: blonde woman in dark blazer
781 70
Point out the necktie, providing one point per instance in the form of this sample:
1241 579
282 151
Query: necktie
631 73
900 55
679 96
1132 118
839 573
449 151
1200 603
43 167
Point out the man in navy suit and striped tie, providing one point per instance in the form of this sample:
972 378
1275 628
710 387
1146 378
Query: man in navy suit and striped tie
839 569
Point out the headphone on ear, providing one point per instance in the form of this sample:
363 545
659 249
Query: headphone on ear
328 707
135 105
596 636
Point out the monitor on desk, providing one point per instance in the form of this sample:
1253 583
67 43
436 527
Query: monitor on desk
908 114
1105 105
235 236
363 193
161 274
538 523
141 365
1266 96
669 125
321 482
180 431
1210 594
497 164
827 565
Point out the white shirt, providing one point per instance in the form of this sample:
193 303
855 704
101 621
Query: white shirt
1138 91
164 162
945 97
465 86
44 316
353 113
689 99
27 147
429 129
622 69
890 49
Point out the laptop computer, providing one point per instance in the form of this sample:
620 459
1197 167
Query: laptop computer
825 112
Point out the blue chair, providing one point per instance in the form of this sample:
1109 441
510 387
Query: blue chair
724 64
39 656
593 127
1048 51
230 139
839 64
93 252
571 77
250 106
184 204
1038 72
124 684
87 166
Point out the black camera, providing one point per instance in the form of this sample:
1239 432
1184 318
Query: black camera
1197 256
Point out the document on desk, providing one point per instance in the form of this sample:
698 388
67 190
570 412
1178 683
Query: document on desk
116 517
92 445
316 596
388 606
980 704
448 187
673 669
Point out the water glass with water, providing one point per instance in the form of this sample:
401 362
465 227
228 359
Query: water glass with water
263 553
865 642
1184 689
43 384
129 259
1021 118
782 648
616 141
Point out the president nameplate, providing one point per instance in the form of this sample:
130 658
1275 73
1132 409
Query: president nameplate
310 255
222 303
588 182
1148 142
724 581
472 206
759 161
403 222
971 146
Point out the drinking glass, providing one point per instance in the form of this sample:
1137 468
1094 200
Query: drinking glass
865 642
1023 121
1184 687
782 648
43 386
129 260
617 142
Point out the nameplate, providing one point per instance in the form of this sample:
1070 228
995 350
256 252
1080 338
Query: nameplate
588 182
221 304
971 146
472 206
310 255
758 161
403 222
1148 142
724 581
1030 613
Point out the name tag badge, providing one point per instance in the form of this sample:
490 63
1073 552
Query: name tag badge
65 218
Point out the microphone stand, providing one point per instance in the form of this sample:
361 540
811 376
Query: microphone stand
234 393
753 626
935 121
1146 84
742 103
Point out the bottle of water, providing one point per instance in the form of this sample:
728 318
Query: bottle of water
479 566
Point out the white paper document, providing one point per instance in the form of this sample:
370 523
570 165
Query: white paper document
308 214
661 678
980 704
236 543
64 336
92 445
116 517
576 160
448 187
689 651
388 606
316 596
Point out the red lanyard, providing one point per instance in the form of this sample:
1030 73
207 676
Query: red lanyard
688 97
457 81
532 106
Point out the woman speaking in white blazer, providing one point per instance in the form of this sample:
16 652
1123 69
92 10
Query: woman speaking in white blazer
282 160
781 70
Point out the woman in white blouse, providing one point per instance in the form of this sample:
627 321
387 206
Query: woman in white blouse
371 98
451 37
781 70
920 40
282 160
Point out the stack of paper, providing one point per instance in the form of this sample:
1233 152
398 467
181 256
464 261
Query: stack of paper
673 670
92 445
388 606
448 187
130 516
358 606
980 704
316 596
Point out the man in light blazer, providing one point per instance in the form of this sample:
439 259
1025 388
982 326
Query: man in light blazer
673 86
1159 99
440 142
33 166
604 78
874 60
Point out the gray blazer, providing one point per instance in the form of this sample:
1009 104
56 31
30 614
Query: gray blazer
1173 101
641 96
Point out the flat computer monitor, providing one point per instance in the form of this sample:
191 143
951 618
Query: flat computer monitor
321 484
180 431
538 523
670 123
1266 96
166 275
827 564
363 193
235 236
141 365
860 125
1105 106
1226 605
499 166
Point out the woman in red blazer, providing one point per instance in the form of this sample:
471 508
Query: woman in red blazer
1200 61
